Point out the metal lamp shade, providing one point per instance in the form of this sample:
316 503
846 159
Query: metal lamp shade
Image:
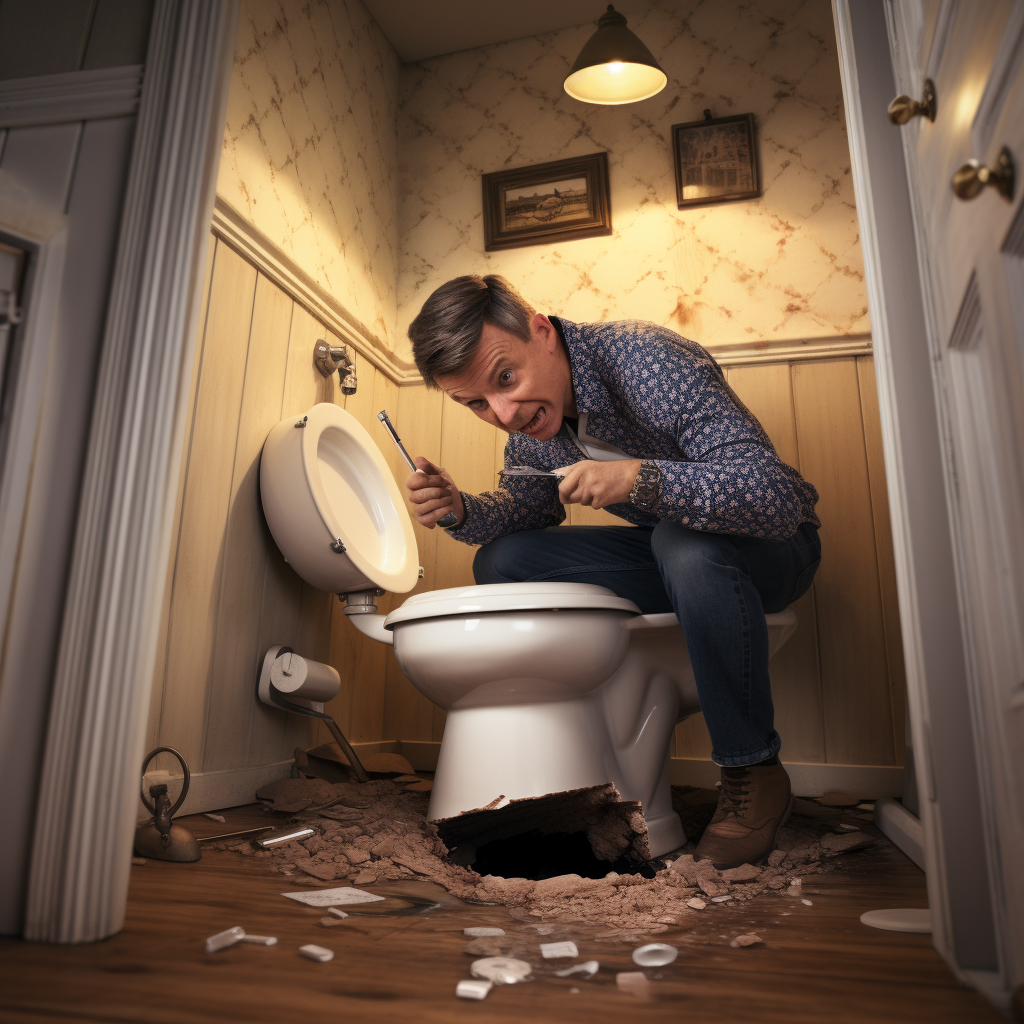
614 66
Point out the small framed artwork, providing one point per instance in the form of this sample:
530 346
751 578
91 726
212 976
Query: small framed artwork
716 160
551 202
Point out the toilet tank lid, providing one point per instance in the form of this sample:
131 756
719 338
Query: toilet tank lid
507 597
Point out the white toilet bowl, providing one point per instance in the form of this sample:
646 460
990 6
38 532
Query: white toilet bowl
548 686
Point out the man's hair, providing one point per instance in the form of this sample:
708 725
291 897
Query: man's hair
447 330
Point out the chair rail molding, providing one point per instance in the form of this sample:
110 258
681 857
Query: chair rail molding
74 96
88 792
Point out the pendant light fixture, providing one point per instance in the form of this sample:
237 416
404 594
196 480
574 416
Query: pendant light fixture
614 66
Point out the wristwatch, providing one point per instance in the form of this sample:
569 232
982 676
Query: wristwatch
646 487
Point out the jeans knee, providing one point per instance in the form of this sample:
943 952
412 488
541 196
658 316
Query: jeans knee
684 550
497 562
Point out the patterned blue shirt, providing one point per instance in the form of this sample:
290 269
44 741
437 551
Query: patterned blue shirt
659 397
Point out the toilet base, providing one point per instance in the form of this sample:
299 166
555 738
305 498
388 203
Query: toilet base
491 755
665 834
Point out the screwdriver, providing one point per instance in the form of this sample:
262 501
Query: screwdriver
445 521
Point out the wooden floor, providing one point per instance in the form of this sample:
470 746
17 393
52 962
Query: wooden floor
818 963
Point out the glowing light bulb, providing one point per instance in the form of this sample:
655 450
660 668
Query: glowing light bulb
614 67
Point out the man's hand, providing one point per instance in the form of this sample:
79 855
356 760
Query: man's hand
433 494
597 483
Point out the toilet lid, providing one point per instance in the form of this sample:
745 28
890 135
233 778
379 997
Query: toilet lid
358 499
506 597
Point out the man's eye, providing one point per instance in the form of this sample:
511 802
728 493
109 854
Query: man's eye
477 403
505 377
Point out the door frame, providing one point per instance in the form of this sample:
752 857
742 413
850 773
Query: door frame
88 791
912 408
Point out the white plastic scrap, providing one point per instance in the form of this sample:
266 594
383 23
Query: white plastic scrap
483 933
333 897
260 940
223 939
502 970
720 899
473 989
551 950
215 817
807 903
336 912
317 953
655 954
588 968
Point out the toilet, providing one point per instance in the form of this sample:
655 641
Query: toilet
548 687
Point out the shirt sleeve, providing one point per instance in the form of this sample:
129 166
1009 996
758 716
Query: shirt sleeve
523 503
731 479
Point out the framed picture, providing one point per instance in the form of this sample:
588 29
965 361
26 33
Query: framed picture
551 202
716 160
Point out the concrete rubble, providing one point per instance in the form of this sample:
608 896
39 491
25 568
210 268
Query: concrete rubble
377 832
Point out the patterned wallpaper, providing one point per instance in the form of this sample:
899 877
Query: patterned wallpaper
310 147
785 266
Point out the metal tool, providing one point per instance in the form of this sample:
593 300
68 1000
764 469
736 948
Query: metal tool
529 471
445 521
160 838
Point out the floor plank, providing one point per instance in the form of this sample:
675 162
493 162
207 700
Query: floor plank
817 962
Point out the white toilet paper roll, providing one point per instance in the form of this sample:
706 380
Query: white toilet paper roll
299 677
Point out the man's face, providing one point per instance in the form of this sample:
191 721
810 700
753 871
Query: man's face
517 385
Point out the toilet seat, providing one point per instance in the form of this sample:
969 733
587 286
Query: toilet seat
333 506
506 597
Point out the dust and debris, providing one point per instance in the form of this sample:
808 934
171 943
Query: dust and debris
746 940
377 832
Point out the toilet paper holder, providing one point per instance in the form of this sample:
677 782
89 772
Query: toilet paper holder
295 677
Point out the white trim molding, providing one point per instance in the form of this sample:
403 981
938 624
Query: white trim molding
75 96
254 247
268 258
87 799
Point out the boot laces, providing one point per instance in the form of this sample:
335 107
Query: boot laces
736 786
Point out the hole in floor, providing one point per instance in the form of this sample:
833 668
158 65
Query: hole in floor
536 855
586 832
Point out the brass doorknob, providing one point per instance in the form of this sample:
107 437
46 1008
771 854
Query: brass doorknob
903 108
972 178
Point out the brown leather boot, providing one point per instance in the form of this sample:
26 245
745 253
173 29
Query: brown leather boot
754 804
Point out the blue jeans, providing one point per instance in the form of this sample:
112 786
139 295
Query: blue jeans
719 586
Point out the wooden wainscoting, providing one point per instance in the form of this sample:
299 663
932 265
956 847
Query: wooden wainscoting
229 593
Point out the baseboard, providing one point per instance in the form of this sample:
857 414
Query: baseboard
867 781
213 791
902 827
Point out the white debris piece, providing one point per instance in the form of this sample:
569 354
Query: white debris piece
795 884
807 903
223 939
317 953
551 950
746 940
473 989
336 912
588 968
635 983
654 954
542 929
696 903
260 940
502 970
215 817
483 933
720 899
574 991
138 861
333 897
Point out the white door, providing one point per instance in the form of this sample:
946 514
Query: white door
971 249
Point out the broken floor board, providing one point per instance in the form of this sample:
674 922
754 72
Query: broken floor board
818 963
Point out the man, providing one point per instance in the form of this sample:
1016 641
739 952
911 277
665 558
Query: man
641 421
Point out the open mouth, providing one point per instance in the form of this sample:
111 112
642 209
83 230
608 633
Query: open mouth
535 423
